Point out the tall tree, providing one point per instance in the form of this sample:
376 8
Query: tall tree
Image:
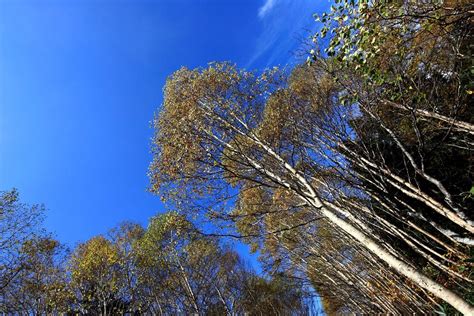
222 132
41 286
182 271
125 237
96 277
18 223
180 266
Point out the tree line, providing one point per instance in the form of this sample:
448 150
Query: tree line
354 169
167 268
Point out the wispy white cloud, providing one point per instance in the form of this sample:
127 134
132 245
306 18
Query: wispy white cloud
265 8
285 26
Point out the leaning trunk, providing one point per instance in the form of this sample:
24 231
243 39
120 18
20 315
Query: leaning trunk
401 267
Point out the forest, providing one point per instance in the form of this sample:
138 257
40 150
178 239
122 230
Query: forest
350 175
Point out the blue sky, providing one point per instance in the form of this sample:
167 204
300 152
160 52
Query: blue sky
81 80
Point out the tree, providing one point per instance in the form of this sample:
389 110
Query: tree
179 266
222 131
96 277
41 285
184 271
125 237
276 296
18 223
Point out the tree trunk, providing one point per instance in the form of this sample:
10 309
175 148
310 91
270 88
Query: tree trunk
398 265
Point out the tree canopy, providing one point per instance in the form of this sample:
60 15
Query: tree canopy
167 268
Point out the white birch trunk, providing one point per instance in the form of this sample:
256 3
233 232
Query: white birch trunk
400 266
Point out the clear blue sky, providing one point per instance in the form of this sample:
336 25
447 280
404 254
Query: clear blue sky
81 80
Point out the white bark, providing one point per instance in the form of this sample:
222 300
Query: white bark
412 191
462 126
311 197
398 265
